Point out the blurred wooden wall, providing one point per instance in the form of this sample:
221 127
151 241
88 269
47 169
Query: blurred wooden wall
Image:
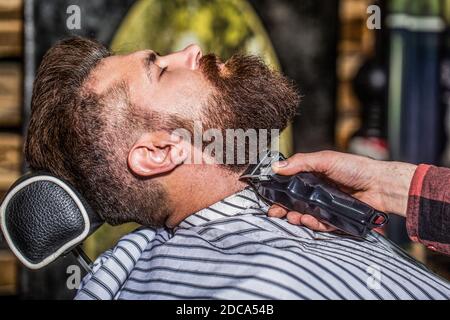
11 50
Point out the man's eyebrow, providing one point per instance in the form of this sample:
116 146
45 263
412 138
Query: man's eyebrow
149 59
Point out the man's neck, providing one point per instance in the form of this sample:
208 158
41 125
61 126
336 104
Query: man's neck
205 186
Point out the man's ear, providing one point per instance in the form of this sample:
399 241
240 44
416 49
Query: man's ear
156 153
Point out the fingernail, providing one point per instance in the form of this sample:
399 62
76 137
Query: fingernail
280 164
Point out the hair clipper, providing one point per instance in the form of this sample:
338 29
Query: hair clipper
307 193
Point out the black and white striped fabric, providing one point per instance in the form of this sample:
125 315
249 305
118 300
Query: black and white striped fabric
232 250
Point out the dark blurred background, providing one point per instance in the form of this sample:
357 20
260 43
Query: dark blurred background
375 81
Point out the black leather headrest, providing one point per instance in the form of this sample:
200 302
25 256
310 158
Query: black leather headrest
42 217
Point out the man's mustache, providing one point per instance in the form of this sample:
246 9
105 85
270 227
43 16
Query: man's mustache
209 65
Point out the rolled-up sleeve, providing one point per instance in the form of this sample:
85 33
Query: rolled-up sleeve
428 213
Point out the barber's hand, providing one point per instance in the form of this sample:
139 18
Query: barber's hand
382 185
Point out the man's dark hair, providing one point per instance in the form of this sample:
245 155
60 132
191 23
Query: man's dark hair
84 138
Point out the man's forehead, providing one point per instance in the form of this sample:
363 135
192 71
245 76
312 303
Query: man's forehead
112 70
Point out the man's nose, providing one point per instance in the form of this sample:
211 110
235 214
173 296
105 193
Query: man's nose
189 58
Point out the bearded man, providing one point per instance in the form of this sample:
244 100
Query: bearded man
105 123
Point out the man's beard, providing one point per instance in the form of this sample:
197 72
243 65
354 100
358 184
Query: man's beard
247 95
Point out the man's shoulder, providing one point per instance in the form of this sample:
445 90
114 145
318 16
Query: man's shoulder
111 269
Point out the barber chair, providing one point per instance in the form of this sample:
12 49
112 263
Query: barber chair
43 217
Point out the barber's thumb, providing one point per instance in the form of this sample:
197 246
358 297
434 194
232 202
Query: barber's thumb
300 162
285 167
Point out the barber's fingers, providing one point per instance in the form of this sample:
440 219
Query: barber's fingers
315 224
306 162
308 221
277 212
299 219
294 217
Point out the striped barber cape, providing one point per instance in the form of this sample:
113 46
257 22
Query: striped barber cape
232 250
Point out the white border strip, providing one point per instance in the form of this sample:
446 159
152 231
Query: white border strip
61 250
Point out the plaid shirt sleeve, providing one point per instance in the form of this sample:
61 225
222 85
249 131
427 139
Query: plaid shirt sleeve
428 213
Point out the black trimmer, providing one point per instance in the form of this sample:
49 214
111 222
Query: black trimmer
307 193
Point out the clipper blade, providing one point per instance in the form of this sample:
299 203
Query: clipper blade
262 170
